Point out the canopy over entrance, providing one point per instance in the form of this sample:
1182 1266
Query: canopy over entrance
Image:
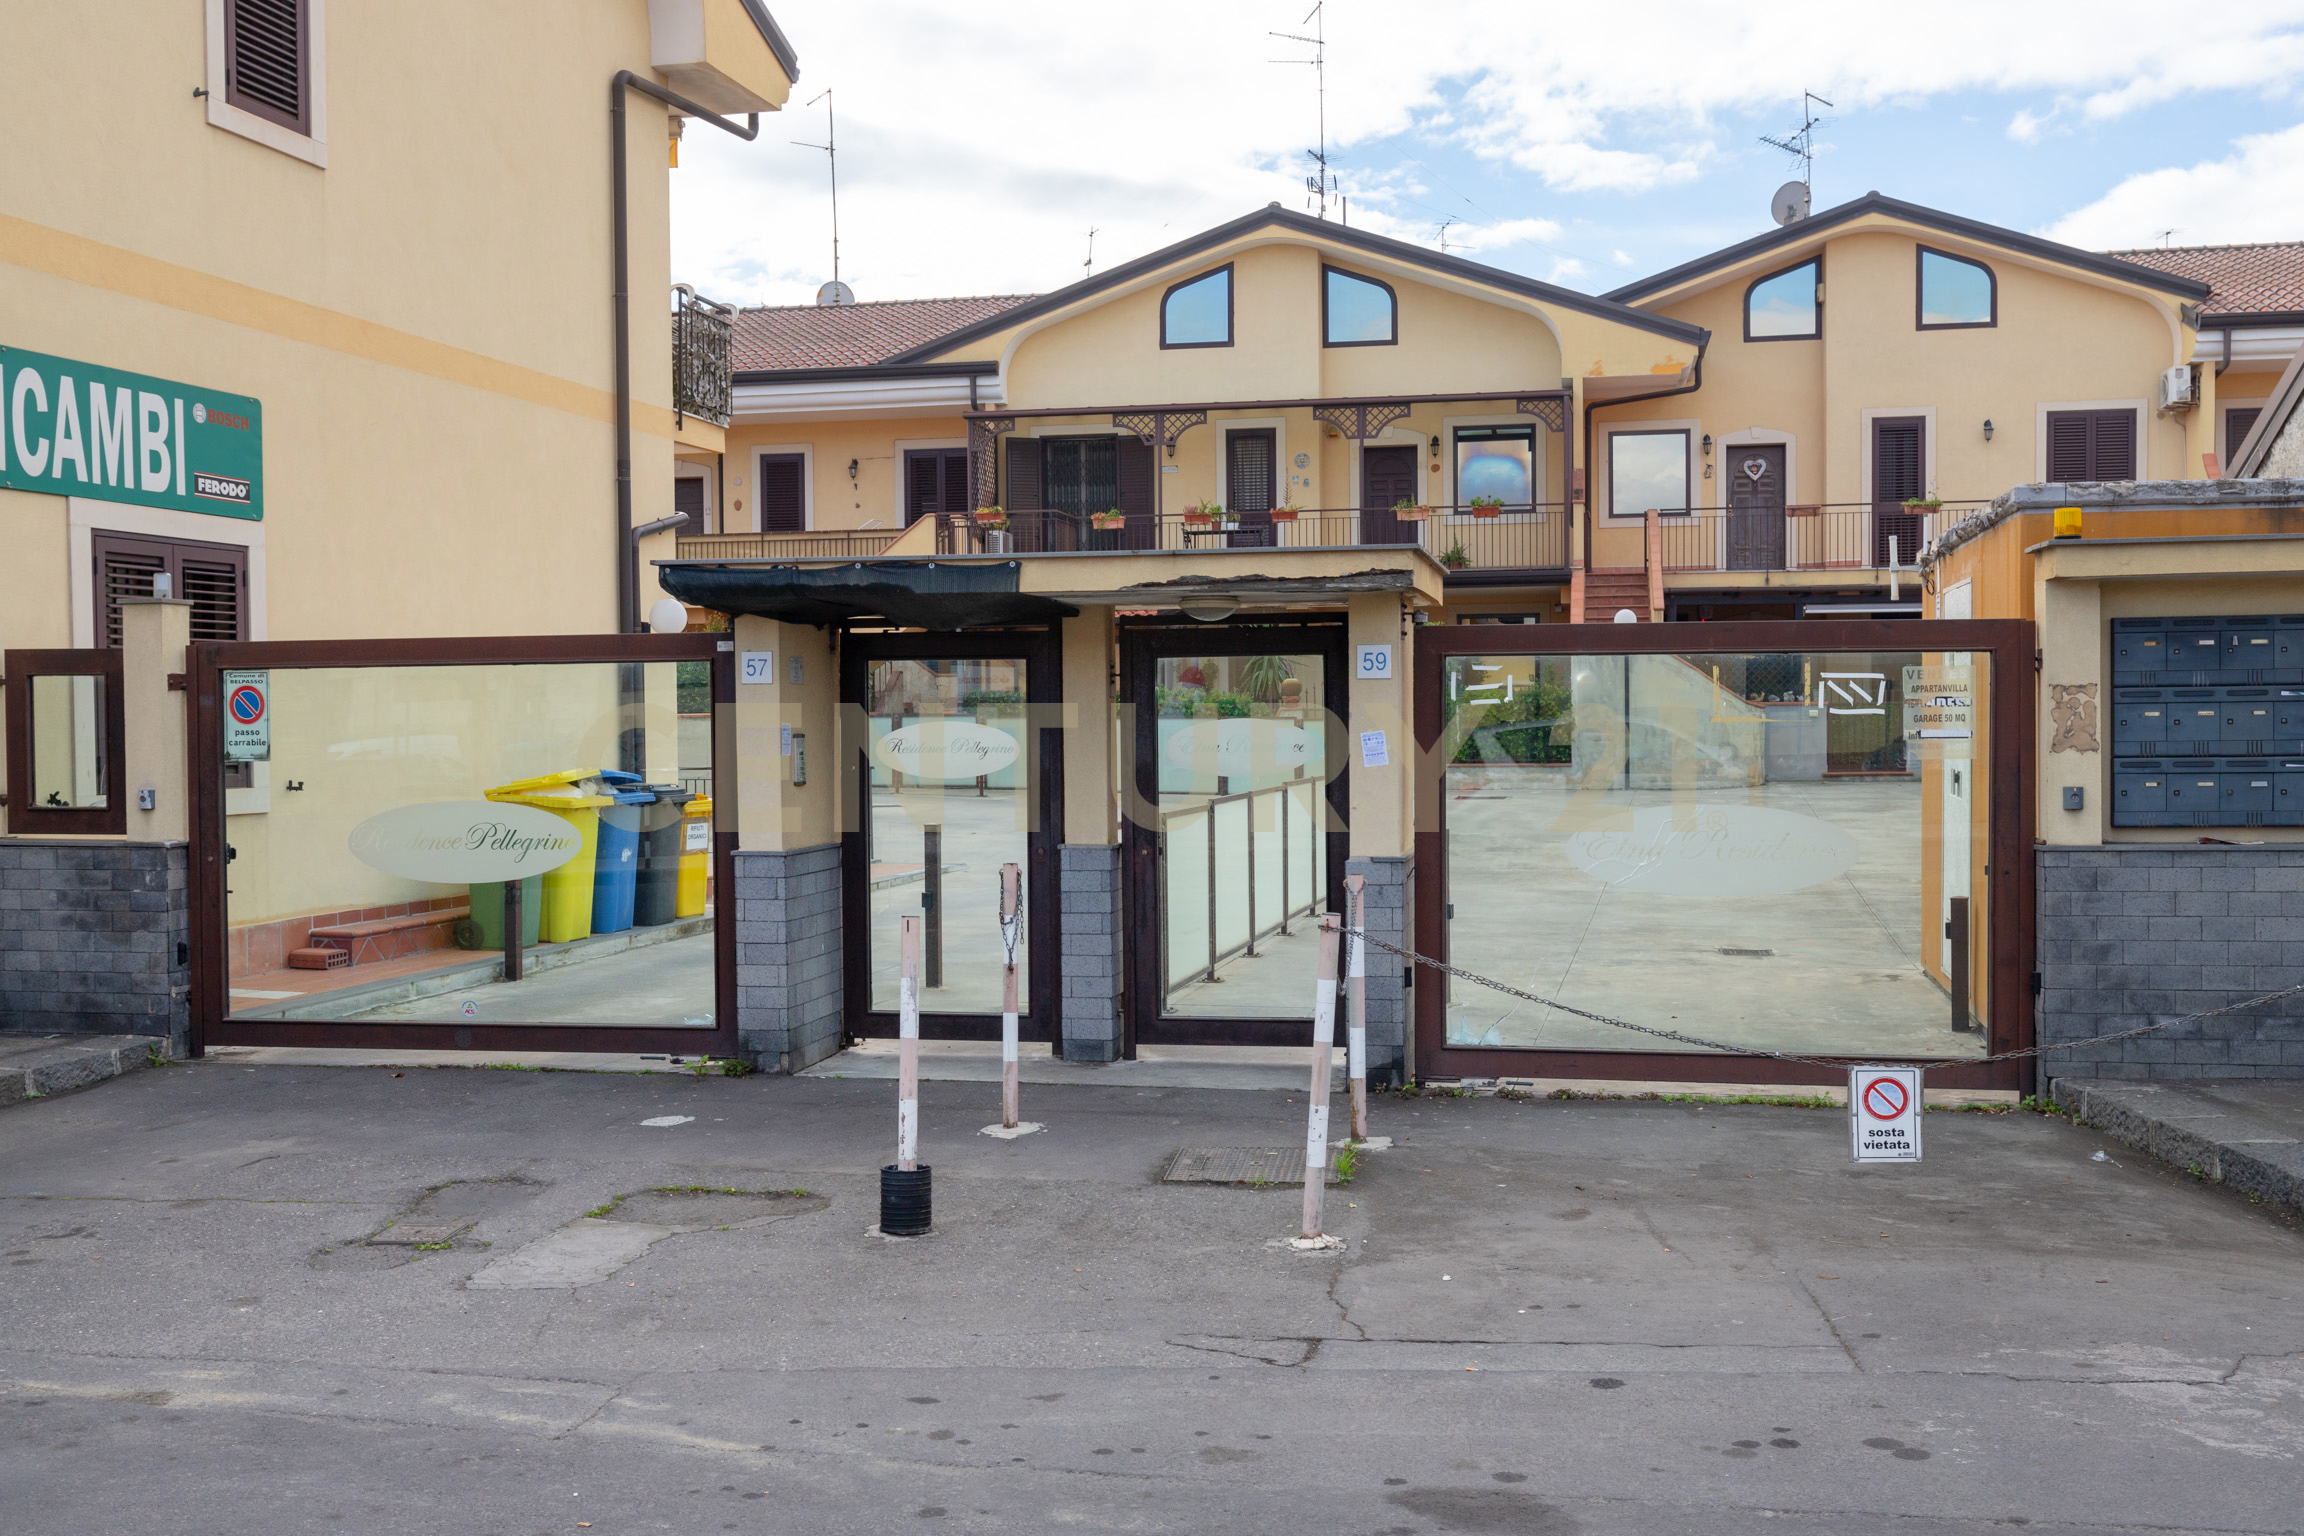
905 594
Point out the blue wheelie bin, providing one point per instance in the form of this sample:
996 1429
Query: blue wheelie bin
616 863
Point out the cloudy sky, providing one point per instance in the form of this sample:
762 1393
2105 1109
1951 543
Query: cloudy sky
1585 144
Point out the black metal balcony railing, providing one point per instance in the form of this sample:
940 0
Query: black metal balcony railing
1863 536
1469 545
701 385
828 544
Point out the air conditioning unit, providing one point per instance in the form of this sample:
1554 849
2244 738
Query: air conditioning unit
2179 388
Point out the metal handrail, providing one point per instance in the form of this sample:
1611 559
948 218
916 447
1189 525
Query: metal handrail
1528 537
826 544
1289 909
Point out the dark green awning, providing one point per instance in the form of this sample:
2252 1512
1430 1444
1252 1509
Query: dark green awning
905 594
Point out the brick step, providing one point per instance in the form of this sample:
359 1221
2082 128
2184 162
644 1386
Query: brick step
1609 589
385 938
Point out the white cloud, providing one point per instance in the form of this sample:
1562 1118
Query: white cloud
978 146
2025 126
2255 193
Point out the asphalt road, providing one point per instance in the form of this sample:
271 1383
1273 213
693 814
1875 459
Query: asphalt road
1551 1317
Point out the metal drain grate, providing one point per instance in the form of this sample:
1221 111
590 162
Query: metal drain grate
1273 1166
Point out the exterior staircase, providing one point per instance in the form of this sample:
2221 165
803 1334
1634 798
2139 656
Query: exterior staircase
1608 589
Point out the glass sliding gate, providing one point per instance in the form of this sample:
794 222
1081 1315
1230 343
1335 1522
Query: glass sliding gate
1235 843
1810 837
487 844
947 777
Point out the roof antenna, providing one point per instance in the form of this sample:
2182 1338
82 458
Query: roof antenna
1444 223
1321 185
1790 204
1088 267
834 292
2163 236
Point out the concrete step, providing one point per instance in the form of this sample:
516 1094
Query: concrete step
2247 1133
36 1066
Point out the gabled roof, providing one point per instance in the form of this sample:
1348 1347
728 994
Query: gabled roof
1927 218
1275 216
850 335
2244 280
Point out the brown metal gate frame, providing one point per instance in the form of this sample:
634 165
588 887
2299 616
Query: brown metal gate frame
1143 922
2010 644
1043 689
212 1023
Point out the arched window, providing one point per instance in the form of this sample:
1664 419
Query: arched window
1359 311
1784 306
1198 313
1955 292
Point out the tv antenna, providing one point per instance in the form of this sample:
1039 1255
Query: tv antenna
1444 223
1088 267
2161 237
1801 144
836 291
1323 184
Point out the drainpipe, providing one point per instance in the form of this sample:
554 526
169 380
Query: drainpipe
1591 466
628 537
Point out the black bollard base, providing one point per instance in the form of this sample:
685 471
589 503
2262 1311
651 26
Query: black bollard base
905 1206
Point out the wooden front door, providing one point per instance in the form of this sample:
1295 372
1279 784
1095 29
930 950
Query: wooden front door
1899 472
1387 478
1755 507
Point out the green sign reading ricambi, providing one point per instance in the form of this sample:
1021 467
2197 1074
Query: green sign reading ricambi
76 429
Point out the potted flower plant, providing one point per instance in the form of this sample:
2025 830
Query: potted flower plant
1286 514
992 519
1197 515
1410 512
1455 559
1487 506
1923 505
1105 521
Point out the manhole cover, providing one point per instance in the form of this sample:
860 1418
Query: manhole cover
1238 1165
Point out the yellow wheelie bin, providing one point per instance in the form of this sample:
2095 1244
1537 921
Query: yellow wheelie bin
695 856
567 910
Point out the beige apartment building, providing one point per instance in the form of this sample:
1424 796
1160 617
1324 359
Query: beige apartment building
314 316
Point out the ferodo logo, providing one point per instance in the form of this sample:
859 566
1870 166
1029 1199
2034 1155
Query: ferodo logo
220 488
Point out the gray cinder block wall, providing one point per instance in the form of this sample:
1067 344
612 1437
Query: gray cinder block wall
788 956
1088 924
94 938
2131 935
1390 901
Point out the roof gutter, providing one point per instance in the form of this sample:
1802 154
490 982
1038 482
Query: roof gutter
628 537
1696 382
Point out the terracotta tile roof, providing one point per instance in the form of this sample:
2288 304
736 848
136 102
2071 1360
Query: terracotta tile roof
2248 279
852 335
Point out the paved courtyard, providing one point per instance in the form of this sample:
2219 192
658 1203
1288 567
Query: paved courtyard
1551 1317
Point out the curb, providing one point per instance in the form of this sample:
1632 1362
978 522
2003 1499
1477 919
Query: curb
69 1064
2188 1131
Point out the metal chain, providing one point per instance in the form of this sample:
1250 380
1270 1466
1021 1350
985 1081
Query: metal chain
1807 1061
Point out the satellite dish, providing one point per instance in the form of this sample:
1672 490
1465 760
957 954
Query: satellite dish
1788 206
834 293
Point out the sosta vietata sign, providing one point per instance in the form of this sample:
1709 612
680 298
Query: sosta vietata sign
76 429
456 842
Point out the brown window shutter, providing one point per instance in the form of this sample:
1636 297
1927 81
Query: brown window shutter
1896 461
783 506
2091 445
1248 470
956 480
1024 487
268 60
2238 423
1136 475
217 589
2114 451
212 577
923 485
124 568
